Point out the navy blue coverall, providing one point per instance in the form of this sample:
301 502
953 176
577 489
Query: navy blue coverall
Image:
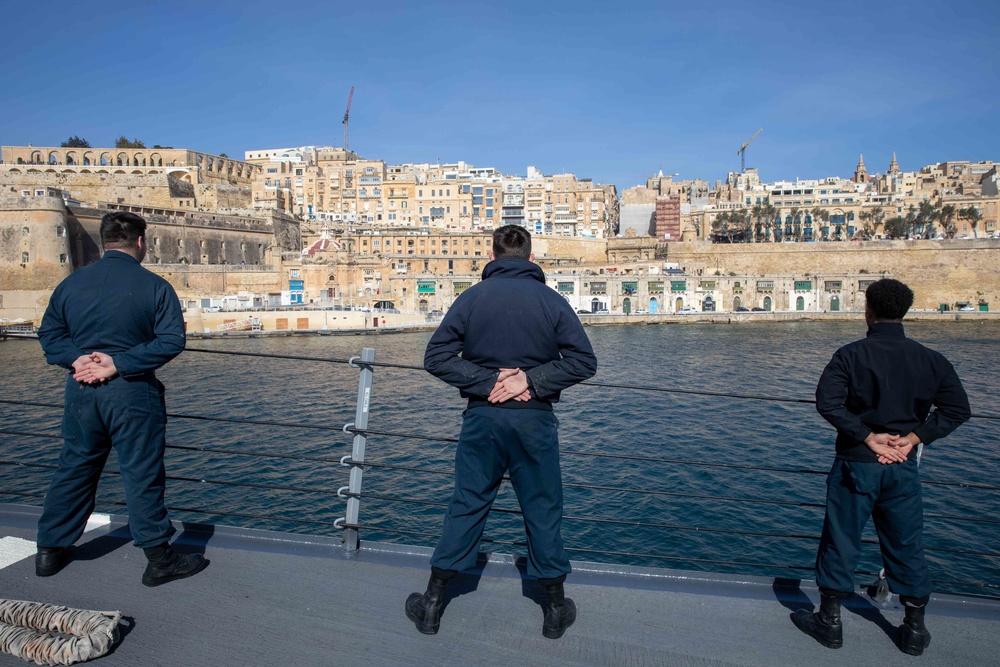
117 307
884 383
511 319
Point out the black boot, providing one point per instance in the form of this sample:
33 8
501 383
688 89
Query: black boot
166 565
560 612
50 560
824 626
913 634
424 609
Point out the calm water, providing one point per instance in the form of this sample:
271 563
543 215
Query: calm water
777 359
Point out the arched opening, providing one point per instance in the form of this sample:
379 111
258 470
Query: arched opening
708 305
678 304
595 305
36 157
835 303
767 303
654 305
737 303
800 303
70 158
20 161
104 159
422 306
627 306
53 159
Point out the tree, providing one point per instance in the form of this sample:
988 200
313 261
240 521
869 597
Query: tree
796 214
896 227
878 217
123 142
911 220
973 215
947 217
867 229
771 214
822 214
223 155
927 213
757 212
75 142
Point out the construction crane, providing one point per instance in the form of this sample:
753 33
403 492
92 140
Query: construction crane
347 115
740 152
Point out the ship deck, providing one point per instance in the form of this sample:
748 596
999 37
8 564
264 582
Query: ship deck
280 599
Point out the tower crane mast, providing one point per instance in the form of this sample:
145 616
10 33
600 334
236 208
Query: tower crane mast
347 115
741 152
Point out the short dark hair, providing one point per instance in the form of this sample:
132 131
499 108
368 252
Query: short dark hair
511 241
889 299
121 229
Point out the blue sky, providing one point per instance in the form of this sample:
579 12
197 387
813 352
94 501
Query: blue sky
609 91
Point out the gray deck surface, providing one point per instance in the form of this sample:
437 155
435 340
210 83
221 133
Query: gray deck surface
277 599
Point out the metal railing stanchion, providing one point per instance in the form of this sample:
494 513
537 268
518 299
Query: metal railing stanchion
351 540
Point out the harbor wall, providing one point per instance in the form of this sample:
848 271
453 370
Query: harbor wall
939 272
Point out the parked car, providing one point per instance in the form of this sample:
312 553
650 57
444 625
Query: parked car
966 309
688 309
639 311
756 309
742 309
212 309
584 312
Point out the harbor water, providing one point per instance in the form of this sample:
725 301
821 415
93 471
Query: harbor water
657 500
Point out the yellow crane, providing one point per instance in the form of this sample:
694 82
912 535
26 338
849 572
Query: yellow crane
742 150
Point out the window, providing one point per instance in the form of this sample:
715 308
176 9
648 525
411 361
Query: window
295 273
832 285
803 284
765 284
565 288
62 258
24 258
60 230
25 231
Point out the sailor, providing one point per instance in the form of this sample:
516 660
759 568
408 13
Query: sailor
112 324
878 392
510 344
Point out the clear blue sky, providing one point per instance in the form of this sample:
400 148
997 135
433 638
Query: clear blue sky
611 91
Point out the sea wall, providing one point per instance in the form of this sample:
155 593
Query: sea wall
939 272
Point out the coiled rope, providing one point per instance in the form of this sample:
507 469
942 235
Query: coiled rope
52 635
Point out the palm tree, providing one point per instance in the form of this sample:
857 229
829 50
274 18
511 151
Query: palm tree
927 213
911 220
973 215
867 230
821 214
769 212
878 217
756 212
796 214
947 217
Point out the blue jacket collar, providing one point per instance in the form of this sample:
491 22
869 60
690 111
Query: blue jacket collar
892 329
513 267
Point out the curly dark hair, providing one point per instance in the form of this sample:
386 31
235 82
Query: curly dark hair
889 299
512 241
121 229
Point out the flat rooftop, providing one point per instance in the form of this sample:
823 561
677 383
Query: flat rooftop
280 599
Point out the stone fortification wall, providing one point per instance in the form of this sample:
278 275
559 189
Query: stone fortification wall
193 282
586 251
191 238
938 271
34 243
157 190
222 196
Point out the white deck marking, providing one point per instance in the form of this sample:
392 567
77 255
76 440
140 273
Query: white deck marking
13 549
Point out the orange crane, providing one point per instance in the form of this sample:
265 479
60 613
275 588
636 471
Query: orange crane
347 115
740 152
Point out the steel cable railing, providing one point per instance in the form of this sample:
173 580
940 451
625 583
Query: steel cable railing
361 464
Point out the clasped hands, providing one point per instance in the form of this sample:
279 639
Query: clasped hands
94 368
511 383
891 448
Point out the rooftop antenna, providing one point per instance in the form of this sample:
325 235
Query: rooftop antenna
347 115
741 152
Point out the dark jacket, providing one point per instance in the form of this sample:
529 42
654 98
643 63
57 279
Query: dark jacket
117 307
887 383
511 319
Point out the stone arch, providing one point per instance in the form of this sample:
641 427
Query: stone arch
15 171
105 159
50 171
119 171
69 171
20 160
211 164
53 158
71 157
85 171
678 304
155 160
88 158
137 171
737 303
122 159
36 157
767 303
138 160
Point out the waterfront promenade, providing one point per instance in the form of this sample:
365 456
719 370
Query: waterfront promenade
277 599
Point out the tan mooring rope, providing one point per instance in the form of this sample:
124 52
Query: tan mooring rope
52 635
